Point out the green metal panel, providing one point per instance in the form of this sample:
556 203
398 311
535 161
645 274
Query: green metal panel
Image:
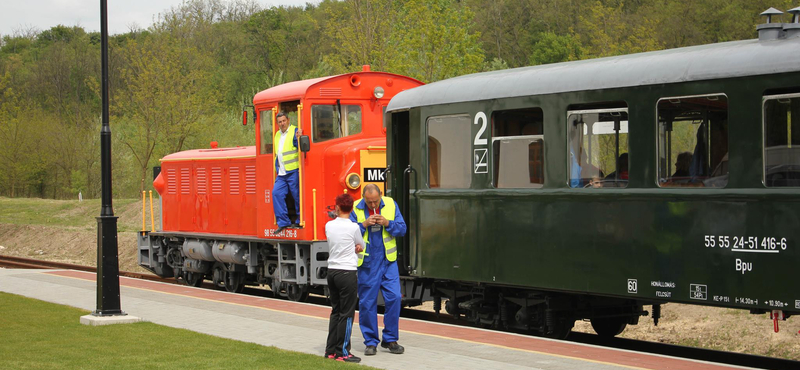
598 241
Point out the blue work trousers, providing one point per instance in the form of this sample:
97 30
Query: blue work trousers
380 276
283 185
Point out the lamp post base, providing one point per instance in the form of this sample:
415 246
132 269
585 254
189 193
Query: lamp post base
93 320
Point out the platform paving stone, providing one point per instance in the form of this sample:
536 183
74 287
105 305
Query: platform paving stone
285 330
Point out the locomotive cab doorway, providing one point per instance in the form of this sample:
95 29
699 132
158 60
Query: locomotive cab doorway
265 162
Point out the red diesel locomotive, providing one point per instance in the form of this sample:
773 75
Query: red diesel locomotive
217 213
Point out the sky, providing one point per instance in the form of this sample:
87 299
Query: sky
16 15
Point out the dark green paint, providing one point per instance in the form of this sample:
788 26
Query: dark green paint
593 240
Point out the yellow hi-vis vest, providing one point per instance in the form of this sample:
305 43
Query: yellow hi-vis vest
389 243
290 157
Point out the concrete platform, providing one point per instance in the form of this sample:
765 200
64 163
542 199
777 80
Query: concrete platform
303 327
92 320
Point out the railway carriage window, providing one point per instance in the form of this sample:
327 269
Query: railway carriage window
693 141
517 148
335 121
266 131
598 148
782 140
449 152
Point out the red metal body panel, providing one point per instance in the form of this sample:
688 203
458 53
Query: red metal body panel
228 190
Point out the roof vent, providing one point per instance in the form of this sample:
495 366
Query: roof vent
792 29
769 30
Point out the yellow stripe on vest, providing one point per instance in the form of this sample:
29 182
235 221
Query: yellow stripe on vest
290 157
389 243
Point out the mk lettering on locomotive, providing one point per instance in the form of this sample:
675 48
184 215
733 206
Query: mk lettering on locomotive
374 174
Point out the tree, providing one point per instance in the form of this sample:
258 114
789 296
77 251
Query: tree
552 48
432 40
16 137
359 31
164 97
608 30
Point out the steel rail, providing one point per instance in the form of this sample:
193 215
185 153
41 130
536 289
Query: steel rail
28 263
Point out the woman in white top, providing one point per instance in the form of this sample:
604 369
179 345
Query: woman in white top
344 242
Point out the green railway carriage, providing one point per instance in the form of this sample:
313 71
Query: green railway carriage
588 190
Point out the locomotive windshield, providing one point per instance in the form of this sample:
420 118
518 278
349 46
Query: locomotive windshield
335 121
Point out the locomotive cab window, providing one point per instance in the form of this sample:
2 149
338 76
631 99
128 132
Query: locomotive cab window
782 140
335 121
598 148
518 148
693 141
449 156
265 125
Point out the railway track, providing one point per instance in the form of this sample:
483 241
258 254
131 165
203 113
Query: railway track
27 263
701 354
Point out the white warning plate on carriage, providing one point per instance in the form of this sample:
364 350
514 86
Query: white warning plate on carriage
481 160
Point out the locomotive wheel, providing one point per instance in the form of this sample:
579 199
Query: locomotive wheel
561 330
218 275
164 271
609 326
297 293
234 282
194 279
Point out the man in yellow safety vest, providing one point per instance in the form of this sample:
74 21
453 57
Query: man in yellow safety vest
287 163
381 222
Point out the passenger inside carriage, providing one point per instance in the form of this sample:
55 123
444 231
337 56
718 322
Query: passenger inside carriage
598 146
622 169
682 165
693 129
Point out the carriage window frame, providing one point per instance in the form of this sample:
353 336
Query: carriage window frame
346 129
764 147
497 139
466 157
662 184
602 182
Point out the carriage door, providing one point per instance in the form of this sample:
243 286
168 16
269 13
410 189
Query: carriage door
266 172
397 147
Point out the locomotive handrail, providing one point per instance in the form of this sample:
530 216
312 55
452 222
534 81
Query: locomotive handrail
274 147
144 203
144 212
314 210
152 222
406 176
302 221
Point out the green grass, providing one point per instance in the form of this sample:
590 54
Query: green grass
63 213
41 335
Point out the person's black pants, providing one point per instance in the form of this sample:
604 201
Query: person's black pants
343 286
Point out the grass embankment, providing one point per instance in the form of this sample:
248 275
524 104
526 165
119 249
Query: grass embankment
41 335
66 230
71 213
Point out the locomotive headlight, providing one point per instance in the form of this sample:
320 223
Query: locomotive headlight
353 181
378 92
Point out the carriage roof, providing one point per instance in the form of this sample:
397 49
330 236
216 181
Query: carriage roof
704 62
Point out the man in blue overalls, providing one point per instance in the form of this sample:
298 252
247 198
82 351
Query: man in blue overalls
287 163
381 222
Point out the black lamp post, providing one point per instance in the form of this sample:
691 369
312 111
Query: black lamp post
107 259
